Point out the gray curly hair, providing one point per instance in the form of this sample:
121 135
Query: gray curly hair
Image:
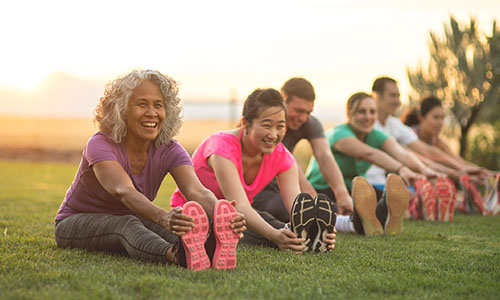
111 111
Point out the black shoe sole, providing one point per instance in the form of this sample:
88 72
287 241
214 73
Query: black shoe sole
325 219
303 218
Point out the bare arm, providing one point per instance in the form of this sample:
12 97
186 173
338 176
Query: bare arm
289 187
434 153
450 172
192 189
229 182
332 174
392 147
359 150
305 186
116 181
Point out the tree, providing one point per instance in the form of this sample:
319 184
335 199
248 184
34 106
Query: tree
463 71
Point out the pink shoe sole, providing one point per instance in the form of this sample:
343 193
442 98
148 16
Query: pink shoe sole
194 240
226 240
427 199
446 195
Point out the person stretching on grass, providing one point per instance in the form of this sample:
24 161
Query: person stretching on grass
109 204
356 145
237 164
299 95
434 198
427 122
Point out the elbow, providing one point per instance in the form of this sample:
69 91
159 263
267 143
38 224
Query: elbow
122 192
369 156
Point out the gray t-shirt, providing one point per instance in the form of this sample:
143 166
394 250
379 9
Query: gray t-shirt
311 129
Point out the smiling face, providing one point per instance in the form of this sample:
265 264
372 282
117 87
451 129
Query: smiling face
298 111
266 131
362 118
146 112
389 101
432 122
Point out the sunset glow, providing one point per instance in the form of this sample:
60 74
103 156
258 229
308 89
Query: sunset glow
219 48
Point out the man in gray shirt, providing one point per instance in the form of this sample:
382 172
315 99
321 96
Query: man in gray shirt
299 97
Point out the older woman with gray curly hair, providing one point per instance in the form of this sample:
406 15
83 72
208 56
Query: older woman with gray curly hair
109 204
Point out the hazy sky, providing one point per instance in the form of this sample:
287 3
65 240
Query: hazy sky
217 48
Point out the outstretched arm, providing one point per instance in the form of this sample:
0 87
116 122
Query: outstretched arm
392 147
116 181
191 187
229 182
332 174
305 185
359 150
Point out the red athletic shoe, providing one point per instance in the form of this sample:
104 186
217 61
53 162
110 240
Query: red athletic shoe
473 199
446 195
226 239
427 199
194 240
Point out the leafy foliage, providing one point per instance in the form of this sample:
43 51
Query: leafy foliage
463 71
484 147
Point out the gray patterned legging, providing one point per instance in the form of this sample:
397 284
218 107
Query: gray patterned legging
138 237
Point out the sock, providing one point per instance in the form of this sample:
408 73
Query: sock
344 224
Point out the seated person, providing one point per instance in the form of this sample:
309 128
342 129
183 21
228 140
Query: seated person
427 124
436 196
356 145
299 96
109 206
237 164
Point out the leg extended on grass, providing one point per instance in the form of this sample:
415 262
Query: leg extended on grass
138 237
252 237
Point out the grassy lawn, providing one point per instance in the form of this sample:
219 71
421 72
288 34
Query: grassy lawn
429 260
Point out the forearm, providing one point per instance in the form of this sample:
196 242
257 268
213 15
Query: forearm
141 205
255 222
332 174
383 160
412 161
305 185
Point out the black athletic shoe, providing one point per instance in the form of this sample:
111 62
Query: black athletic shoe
325 220
304 218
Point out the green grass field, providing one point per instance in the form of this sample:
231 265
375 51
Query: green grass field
429 260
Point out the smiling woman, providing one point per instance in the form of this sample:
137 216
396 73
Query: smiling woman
109 204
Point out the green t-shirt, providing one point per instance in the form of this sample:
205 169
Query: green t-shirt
349 166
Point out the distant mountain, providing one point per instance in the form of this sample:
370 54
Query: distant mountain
59 94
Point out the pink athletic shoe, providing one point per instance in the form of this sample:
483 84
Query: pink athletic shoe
446 195
194 240
427 199
226 239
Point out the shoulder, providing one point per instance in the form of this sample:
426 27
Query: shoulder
222 139
340 131
313 128
171 155
222 143
378 134
100 138
100 147
101 141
